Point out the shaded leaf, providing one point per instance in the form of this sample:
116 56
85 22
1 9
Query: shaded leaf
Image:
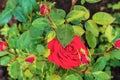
65 34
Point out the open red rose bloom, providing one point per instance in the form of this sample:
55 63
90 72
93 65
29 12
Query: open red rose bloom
73 55
117 44
3 46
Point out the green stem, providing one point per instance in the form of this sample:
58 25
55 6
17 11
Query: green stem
13 54
44 1
52 23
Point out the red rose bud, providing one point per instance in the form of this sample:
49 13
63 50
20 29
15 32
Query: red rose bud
117 44
44 10
3 46
30 59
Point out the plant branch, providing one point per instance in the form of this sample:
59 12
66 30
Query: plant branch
13 54
51 22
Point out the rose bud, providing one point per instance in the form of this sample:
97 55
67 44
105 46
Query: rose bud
44 10
3 46
30 59
117 44
72 56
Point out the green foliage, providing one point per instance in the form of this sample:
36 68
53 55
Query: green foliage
32 33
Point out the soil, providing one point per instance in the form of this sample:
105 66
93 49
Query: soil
66 5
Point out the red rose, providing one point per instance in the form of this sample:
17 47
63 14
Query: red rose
117 44
71 56
30 59
3 46
44 10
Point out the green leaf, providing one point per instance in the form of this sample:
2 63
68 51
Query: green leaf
4 61
55 77
85 10
24 40
14 70
82 1
38 27
57 15
19 14
100 75
114 63
103 18
65 34
11 4
91 39
12 42
26 7
115 54
110 33
4 30
51 35
91 26
13 31
92 1
71 77
28 73
5 16
3 53
46 52
74 15
40 48
78 30
88 77
100 64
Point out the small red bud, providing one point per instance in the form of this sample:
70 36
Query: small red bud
30 59
3 46
44 10
117 44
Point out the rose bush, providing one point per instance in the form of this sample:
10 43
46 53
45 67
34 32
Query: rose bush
46 43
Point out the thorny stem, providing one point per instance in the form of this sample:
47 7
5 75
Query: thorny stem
51 22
